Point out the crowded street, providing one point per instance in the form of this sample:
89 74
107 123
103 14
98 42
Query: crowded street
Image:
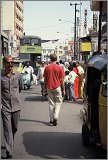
53 79
37 139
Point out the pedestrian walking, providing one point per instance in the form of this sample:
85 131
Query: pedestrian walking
76 82
61 64
28 70
67 80
11 85
66 65
41 78
73 76
81 80
54 83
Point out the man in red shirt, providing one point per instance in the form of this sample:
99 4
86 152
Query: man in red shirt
54 83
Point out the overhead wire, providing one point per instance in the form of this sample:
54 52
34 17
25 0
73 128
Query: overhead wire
44 26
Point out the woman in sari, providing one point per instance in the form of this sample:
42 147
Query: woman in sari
76 82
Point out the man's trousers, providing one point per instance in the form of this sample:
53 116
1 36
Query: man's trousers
10 124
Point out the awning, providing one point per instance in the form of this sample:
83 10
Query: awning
98 61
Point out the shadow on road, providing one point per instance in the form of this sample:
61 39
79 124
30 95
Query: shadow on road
79 102
43 122
35 98
28 92
39 98
53 145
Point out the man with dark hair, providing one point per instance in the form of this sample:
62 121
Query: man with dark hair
11 85
54 83
61 64
41 78
28 70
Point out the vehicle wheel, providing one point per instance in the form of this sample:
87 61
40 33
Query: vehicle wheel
28 87
25 87
42 98
85 135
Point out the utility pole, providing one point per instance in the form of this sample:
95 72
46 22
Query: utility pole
75 35
75 29
100 23
77 40
80 30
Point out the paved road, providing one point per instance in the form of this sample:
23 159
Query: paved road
37 139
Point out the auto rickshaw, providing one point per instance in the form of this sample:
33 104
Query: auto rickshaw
94 112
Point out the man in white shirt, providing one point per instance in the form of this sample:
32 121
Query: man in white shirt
72 77
28 69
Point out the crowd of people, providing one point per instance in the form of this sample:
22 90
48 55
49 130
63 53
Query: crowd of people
73 79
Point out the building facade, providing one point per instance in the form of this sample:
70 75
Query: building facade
64 50
12 23
101 7
50 47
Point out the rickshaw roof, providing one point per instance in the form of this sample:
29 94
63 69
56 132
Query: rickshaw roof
98 61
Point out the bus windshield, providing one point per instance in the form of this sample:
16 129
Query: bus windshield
30 41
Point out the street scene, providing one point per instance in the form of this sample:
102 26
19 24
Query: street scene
53 79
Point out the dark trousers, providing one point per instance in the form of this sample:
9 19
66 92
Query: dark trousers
10 124
69 91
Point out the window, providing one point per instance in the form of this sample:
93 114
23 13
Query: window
17 38
24 56
34 41
26 41
30 41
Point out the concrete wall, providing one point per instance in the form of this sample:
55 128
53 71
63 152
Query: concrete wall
8 15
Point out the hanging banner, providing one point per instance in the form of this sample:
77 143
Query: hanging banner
50 40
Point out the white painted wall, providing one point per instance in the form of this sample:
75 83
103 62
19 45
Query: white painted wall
8 16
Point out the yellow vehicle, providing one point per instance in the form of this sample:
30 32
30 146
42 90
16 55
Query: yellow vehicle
94 112
18 65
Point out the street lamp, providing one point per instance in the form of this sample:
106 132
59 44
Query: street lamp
66 21
63 33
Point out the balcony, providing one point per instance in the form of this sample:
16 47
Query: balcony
19 13
19 4
19 23
19 33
